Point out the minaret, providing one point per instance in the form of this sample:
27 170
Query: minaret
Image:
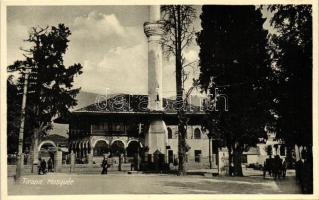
153 30
156 137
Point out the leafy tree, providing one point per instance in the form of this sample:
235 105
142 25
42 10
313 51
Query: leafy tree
292 53
235 70
292 57
179 34
50 88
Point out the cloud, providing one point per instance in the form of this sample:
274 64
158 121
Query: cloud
98 26
121 70
113 55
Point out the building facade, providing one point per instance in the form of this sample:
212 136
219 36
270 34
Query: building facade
119 127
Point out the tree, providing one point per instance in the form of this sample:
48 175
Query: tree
13 115
50 87
292 57
292 53
235 70
178 36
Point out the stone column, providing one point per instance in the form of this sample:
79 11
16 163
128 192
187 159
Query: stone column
125 156
72 163
58 160
90 157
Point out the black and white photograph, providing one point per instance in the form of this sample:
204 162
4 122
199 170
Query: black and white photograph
167 98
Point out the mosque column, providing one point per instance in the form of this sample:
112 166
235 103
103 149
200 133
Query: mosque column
90 155
156 137
72 161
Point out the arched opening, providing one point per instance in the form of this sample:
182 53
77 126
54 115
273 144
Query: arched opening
133 154
100 148
45 145
197 133
47 150
169 133
117 148
132 148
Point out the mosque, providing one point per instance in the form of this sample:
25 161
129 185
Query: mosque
139 127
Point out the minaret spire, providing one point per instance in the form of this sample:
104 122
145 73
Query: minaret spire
154 31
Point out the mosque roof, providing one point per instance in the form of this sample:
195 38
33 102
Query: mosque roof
125 103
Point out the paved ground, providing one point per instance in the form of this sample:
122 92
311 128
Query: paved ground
149 184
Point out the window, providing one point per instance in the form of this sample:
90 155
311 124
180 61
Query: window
169 133
118 127
197 133
197 155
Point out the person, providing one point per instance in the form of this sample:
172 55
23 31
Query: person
277 166
43 166
176 165
50 165
104 165
284 168
39 166
267 167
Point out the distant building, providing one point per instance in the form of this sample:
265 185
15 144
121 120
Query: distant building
277 147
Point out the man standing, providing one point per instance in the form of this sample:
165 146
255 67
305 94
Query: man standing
104 165
50 165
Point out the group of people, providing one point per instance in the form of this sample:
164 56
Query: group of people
276 167
42 166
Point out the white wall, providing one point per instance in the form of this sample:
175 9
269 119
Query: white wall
195 144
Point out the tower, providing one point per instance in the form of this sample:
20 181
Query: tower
156 137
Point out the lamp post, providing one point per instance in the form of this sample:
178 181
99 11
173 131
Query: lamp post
20 160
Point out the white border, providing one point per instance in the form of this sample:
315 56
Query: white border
3 76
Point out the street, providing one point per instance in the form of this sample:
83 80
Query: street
56 184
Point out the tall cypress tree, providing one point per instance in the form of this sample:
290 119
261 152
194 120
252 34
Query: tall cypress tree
234 60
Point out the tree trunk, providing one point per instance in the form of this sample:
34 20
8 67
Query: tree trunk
179 97
238 171
181 149
230 160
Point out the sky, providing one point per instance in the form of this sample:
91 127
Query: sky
108 41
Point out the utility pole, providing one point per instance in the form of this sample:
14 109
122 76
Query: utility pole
210 151
20 156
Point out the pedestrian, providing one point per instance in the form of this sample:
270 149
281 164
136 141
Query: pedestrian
39 166
104 165
176 165
277 166
43 165
284 168
50 165
268 167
